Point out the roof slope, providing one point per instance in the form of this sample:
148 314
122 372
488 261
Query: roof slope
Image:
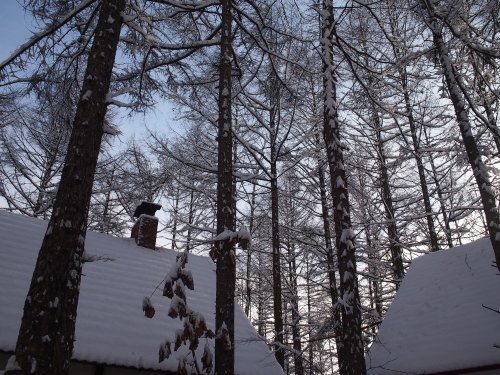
437 321
111 327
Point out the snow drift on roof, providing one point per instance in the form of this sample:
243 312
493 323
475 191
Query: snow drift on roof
111 327
437 321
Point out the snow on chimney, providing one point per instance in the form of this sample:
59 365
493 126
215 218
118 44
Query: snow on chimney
144 229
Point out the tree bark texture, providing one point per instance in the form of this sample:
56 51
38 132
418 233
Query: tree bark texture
351 350
226 259
330 255
46 335
277 290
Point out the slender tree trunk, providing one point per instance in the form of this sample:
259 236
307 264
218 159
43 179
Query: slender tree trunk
485 100
491 120
420 165
277 292
276 259
352 339
398 270
46 336
261 327
106 214
385 187
40 207
403 77
373 277
439 192
176 219
190 221
330 255
296 336
294 294
248 284
473 155
309 315
226 259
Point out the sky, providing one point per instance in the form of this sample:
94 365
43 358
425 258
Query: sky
13 27
16 27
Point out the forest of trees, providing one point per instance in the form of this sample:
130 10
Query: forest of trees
347 137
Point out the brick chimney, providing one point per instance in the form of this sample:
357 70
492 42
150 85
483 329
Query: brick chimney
144 229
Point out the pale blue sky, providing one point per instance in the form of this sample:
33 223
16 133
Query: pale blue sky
15 29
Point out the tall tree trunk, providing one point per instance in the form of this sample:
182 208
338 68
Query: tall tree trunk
352 340
276 259
374 283
176 219
226 259
398 270
439 192
261 327
294 294
420 165
46 336
473 155
190 221
330 255
296 336
40 205
277 297
310 323
373 273
399 53
248 284
480 69
105 225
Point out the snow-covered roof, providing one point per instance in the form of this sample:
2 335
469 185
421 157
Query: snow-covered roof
111 327
439 320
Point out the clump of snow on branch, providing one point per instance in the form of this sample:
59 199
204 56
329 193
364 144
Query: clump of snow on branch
241 237
223 335
147 307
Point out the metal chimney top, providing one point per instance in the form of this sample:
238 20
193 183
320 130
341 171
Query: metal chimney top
147 208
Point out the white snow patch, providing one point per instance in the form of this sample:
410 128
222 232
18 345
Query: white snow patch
33 365
87 95
438 321
12 364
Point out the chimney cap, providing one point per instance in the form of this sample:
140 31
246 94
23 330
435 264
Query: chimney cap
147 208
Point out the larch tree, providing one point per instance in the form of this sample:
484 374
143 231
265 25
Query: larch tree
351 350
226 257
453 84
46 335
32 153
399 26
34 138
